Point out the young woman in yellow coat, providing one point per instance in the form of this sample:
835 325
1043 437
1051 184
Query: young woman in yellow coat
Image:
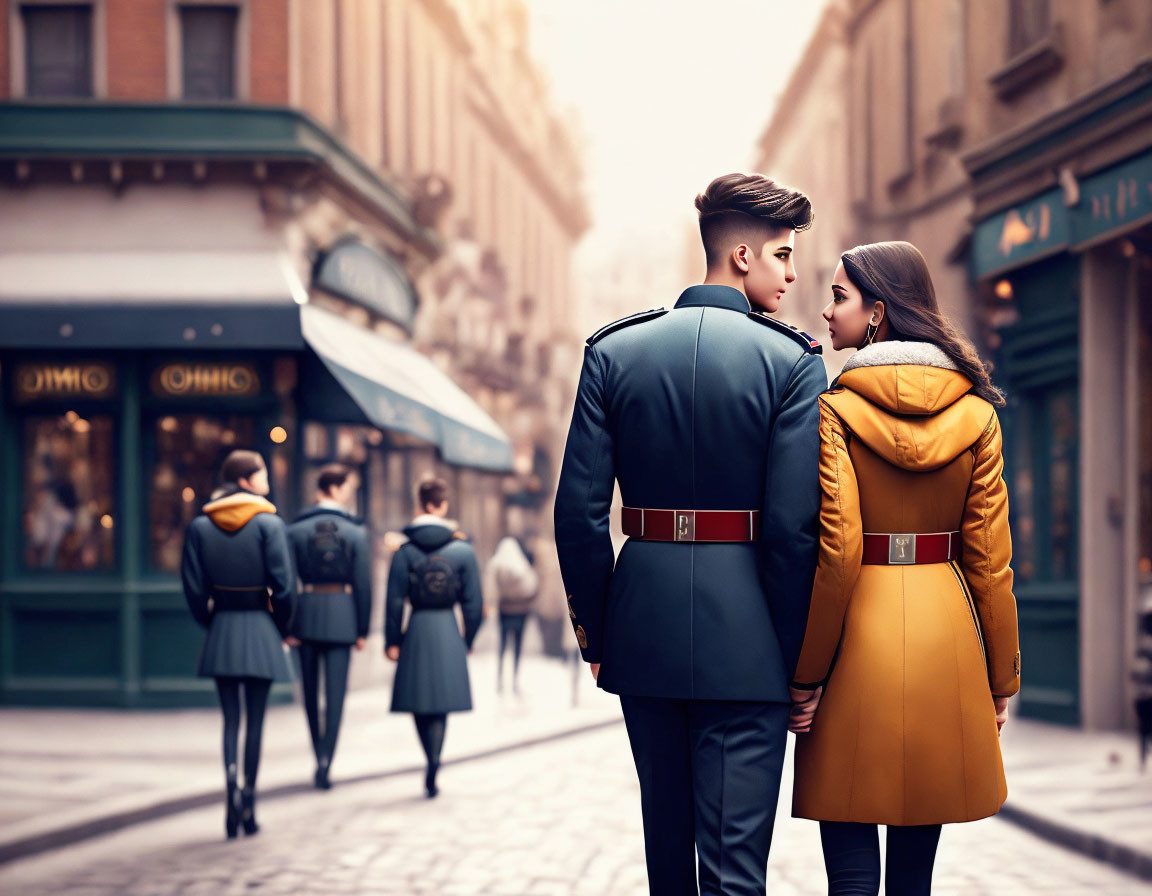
911 650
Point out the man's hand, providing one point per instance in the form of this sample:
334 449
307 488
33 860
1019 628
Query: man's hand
594 668
804 705
1001 704
292 641
393 652
360 642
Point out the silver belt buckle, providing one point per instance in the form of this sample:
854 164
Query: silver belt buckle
685 525
901 549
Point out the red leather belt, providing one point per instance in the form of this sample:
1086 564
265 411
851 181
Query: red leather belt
326 588
905 549
690 525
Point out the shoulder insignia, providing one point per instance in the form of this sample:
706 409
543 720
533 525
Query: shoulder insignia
811 346
625 322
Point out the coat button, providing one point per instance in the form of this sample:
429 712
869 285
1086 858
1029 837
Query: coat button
581 637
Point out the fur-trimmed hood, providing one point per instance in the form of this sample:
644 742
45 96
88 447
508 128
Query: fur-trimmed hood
909 403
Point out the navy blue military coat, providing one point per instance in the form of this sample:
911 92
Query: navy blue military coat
704 407
332 618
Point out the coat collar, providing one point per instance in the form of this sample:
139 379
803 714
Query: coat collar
881 354
714 296
323 508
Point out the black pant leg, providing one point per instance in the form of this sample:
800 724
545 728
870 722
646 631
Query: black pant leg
737 757
255 702
658 733
517 643
310 685
228 690
851 858
336 661
911 853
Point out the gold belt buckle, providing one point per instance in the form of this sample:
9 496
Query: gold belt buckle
901 549
685 525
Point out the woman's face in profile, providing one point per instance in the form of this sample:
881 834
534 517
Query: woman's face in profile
847 314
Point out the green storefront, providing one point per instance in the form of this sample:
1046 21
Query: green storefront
1064 278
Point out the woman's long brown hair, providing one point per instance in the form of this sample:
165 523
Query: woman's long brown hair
896 274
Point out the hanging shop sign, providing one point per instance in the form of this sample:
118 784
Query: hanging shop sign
360 274
215 380
46 382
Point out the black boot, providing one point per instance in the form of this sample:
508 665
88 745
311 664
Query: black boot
430 779
320 779
231 810
248 811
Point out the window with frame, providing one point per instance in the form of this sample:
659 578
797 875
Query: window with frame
57 50
68 507
1028 23
208 51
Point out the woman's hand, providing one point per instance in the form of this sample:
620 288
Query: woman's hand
393 652
292 641
1001 704
594 668
360 642
804 705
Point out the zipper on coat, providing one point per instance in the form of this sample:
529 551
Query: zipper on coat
971 608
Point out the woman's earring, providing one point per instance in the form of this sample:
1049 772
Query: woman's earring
870 332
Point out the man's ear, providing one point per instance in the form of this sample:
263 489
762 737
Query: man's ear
740 257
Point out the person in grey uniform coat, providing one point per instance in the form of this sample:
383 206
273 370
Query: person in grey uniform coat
434 570
334 563
706 415
240 585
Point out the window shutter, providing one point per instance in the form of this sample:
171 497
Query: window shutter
208 43
58 50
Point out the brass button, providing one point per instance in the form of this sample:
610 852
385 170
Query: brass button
581 637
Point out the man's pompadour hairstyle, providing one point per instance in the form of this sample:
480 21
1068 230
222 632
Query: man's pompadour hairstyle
748 202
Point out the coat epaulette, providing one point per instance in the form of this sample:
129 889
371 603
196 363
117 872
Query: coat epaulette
811 346
625 322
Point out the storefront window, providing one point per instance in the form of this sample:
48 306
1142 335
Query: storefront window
69 514
1144 455
189 451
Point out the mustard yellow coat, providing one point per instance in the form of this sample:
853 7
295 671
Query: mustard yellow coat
910 656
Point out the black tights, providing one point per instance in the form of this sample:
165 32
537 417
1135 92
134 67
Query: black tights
255 702
430 727
333 658
852 858
511 629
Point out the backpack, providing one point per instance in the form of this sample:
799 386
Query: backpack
327 554
434 582
516 580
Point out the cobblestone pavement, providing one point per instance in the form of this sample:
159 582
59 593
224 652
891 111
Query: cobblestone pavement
559 819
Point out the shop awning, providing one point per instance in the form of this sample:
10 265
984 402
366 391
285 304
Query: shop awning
400 389
149 299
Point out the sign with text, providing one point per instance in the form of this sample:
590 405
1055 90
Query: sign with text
47 382
215 380
360 274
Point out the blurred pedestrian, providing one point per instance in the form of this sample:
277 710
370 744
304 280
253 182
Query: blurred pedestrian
334 563
513 575
1142 673
240 584
434 571
911 650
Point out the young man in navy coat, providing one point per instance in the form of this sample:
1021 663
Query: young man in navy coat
707 417
334 561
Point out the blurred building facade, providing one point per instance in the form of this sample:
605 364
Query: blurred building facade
1012 143
325 229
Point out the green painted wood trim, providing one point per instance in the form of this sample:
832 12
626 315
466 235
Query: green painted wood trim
130 527
119 130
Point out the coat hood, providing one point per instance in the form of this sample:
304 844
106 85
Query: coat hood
235 511
909 403
431 533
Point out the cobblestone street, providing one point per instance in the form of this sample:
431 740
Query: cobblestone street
560 818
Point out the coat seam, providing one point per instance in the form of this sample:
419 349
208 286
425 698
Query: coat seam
692 547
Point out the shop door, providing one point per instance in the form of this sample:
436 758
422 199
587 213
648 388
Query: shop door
1039 369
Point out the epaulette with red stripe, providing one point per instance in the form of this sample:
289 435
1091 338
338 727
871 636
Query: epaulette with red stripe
625 322
810 345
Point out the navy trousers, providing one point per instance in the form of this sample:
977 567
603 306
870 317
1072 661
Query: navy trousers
709 782
334 659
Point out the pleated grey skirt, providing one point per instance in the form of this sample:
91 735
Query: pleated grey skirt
243 644
330 618
432 673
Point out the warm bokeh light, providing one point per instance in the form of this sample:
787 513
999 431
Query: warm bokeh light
106 521
189 494
169 424
279 435
1004 290
81 425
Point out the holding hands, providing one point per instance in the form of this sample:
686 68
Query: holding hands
804 705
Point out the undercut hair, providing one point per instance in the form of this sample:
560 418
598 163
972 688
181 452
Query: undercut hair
750 209
432 493
332 476
241 464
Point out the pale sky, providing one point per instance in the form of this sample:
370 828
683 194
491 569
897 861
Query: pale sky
668 95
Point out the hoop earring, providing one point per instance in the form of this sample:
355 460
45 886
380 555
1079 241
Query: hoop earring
871 333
